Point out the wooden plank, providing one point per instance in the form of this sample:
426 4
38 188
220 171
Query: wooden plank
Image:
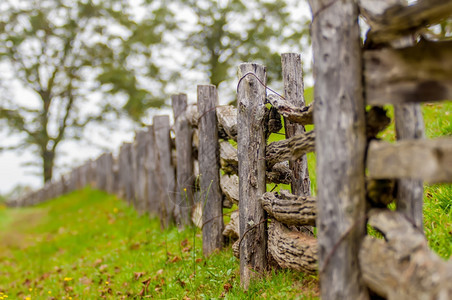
340 146
251 154
401 266
165 169
290 149
209 168
409 124
140 153
110 179
389 20
126 171
413 74
290 209
294 94
152 176
185 178
300 115
428 160
292 249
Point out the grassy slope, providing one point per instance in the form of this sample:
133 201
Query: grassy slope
90 245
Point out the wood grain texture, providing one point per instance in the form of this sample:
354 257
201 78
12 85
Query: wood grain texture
153 176
292 249
389 20
227 120
409 124
413 74
126 173
209 169
251 156
428 160
290 149
184 170
140 152
294 92
402 267
300 115
340 143
230 187
167 174
290 209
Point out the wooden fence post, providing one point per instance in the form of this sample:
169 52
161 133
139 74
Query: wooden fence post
126 171
209 169
152 175
251 158
140 152
165 168
294 94
185 177
340 146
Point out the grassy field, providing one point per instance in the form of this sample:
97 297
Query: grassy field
91 245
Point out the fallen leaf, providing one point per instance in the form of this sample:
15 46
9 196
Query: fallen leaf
160 272
175 259
98 262
184 243
138 275
186 249
85 280
103 268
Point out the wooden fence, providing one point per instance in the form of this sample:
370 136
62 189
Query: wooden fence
190 179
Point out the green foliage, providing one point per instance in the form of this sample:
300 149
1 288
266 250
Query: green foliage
90 245
230 32
67 53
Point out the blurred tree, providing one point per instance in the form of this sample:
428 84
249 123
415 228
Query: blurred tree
68 53
228 32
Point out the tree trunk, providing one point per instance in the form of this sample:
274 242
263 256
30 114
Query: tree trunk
48 159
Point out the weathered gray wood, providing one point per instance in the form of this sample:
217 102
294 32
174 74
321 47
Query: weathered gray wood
166 173
292 249
209 168
101 178
402 267
290 149
340 146
390 23
300 115
413 74
230 187
294 93
140 147
185 179
126 171
428 160
109 173
251 153
290 209
276 172
151 176
103 172
409 124
227 120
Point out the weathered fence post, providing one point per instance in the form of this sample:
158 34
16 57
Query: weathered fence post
294 94
340 146
409 124
152 175
167 179
126 171
209 169
140 149
185 177
251 157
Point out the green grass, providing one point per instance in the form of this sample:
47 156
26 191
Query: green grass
90 245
